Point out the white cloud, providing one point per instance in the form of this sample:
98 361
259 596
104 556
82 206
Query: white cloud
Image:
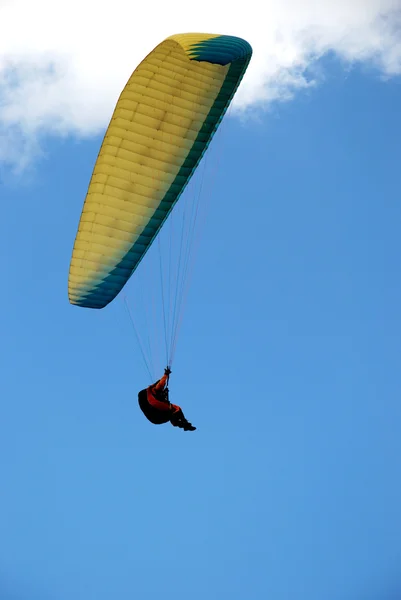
62 65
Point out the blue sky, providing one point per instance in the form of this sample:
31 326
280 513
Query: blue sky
288 363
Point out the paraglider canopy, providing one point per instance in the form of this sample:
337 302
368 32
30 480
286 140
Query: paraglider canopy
162 124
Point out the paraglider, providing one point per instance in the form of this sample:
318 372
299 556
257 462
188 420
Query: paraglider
155 405
163 122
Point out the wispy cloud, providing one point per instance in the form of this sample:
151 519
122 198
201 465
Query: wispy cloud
62 65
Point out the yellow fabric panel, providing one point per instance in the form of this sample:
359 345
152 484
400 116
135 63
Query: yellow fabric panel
157 118
186 40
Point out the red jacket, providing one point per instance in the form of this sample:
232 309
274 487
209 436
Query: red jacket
153 398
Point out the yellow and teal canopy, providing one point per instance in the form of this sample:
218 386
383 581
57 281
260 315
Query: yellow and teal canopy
162 124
